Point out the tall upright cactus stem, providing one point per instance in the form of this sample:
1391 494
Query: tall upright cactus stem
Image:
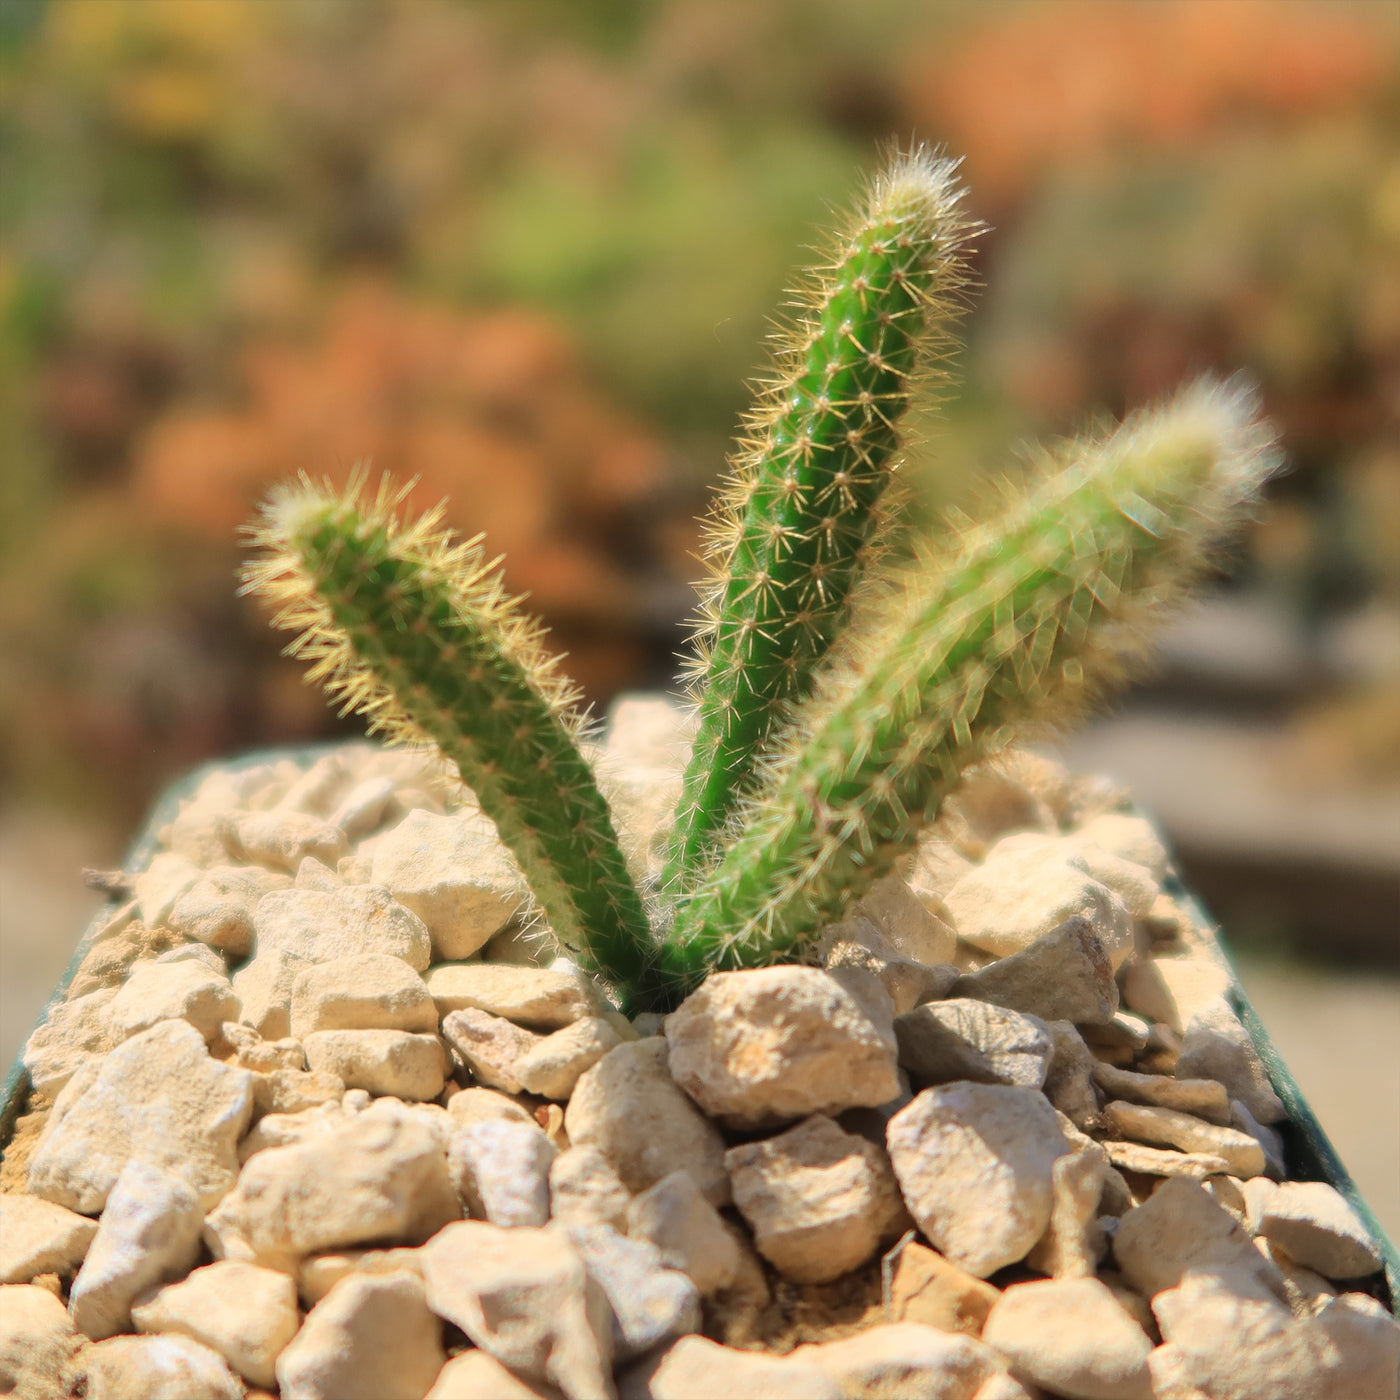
418 633
1037 613
802 502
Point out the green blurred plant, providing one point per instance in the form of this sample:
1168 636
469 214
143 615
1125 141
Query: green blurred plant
792 806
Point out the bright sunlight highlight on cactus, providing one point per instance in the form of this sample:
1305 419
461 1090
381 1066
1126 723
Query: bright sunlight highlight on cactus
791 807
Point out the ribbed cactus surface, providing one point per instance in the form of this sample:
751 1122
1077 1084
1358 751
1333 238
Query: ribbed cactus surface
803 500
417 631
1035 615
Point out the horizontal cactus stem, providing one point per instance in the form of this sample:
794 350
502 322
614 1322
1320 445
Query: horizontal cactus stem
1039 613
803 503
418 634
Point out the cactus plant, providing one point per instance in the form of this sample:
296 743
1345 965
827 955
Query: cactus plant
823 749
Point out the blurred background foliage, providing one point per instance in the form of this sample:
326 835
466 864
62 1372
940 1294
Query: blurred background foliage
526 251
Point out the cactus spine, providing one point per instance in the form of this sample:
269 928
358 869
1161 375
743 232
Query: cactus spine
803 500
1037 613
417 632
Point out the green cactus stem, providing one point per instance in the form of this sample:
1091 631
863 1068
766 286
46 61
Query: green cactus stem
803 501
1038 613
417 632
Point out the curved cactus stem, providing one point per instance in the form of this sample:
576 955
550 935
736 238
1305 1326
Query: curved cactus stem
803 500
417 632
1038 612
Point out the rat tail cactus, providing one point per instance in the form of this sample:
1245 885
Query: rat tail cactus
803 503
419 634
836 706
1030 618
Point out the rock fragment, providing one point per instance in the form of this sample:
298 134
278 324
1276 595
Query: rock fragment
157 887
1161 1161
245 1313
218 908
501 1171
905 1358
1073 1242
1270 1139
1029 885
377 1177
1215 1045
158 1098
281 840
1317 1227
1069 1077
316 789
284 1129
71 1032
1148 1123
363 807
631 1110
313 874
292 1090
320 925
475 1375
263 986
240 1045
777 1043
370 1337
540 998
965 1039
1064 975
1130 838
819 1200
370 991
585 1189
1073 1337
148 1234
524 1297
698 1369
1131 881
167 991
454 872
39 1237
675 1218
321 1272
554 1065
1206 1098
400 1063
36 1341
988 803
856 942
489 1046
932 1290
1350 1348
651 1304
906 924
975 1163
476 1104
155 1368
1180 1228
